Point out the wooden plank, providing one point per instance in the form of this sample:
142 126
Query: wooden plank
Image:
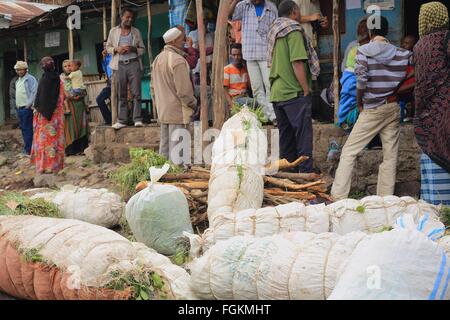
336 56
203 69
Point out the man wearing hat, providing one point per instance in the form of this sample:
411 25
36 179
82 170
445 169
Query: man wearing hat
172 91
22 99
127 48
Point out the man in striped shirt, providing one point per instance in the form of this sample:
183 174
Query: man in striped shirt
235 80
380 69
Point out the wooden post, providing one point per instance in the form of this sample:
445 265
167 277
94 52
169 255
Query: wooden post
203 69
114 74
70 41
336 56
105 27
25 50
149 34
220 45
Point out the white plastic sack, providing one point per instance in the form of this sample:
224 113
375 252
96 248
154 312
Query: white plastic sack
403 264
90 253
96 206
297 265
373 213
264 222
159 214
237 169
444 242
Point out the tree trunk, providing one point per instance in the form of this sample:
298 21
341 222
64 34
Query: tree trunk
220 45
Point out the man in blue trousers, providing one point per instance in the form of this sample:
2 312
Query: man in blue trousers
23 99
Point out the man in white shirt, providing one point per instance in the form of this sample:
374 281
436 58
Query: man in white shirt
310 13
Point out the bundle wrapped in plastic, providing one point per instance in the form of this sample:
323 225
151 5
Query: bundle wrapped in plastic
262 222
159 215
96 206
298 265
64 259
403 264
237 169
374 213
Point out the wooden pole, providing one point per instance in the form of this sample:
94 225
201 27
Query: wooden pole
70 41
25 50
105 27
219 55
114 75
203 69
149 34
336 56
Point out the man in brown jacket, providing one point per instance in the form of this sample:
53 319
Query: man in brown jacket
127 48
172 91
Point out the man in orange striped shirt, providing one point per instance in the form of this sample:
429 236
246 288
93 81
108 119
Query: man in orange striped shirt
236 80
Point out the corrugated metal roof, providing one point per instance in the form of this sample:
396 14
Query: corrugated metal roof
20 11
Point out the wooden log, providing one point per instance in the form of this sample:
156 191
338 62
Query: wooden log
190 185
289 184
336 56
325 196
220 46
141 186
203 70
287 194
317 188
298 176
284 164
200 169
197 193
186 175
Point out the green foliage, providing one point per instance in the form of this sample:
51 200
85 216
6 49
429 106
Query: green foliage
445 215
86 163
32 256
145 285
247 124
357 195
125 229
129 175
13 203
360 209
181 255
259 113
240 172
385 228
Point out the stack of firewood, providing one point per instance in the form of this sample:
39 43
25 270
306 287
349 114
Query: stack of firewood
280 187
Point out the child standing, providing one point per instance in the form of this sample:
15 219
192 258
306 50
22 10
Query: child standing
406 90
76 78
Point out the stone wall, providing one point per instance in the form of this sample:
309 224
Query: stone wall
366 166
108 145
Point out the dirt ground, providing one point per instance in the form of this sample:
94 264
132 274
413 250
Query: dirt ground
17 173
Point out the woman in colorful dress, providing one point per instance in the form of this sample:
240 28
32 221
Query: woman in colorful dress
432 95
47 152
76 130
